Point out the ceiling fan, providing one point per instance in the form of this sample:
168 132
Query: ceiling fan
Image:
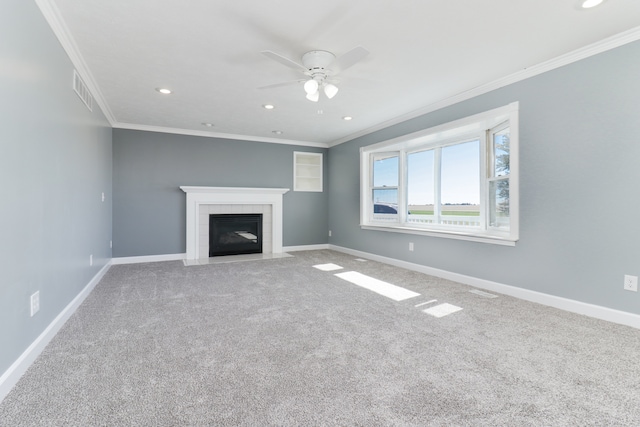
320 66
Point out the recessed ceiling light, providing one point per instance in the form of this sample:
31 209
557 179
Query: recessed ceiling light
163 90
209 125
347 118
587 4
277 132
268 106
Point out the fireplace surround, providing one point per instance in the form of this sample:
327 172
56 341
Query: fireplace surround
204 201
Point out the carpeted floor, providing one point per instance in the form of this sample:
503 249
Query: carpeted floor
279 342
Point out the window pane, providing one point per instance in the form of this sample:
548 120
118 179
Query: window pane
460 184
386 196
420 190
385 171
499 203
385 204
501 151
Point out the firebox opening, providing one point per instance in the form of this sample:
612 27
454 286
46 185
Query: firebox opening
235 234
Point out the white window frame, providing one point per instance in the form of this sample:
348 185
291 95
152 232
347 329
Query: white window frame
383 218
480 127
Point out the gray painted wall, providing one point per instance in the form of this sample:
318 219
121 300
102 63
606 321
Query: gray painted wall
579 203
55 161
579 173
149 211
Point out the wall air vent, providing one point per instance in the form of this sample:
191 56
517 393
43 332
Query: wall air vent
81 89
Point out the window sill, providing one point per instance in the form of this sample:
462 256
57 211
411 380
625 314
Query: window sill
447 234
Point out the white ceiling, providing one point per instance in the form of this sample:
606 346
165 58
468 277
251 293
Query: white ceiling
423 54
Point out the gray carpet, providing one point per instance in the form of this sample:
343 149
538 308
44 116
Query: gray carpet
278 342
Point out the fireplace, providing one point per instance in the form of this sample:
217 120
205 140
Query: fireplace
204 201
235 234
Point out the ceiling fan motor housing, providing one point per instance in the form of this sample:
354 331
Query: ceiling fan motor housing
317 60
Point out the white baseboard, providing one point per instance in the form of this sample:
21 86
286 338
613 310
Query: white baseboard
148 258
11 376
305 248
591 310
180 257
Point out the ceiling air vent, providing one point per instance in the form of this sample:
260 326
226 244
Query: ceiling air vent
81 89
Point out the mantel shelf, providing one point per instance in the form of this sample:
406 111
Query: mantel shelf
232 190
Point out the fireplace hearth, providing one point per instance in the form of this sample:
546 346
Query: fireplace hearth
235 234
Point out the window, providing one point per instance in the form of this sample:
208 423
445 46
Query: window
456 180
384 192
499 178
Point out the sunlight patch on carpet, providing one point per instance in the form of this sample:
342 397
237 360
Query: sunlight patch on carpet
327 267
378 286
442 310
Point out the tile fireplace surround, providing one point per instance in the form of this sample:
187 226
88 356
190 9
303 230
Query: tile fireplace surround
202 201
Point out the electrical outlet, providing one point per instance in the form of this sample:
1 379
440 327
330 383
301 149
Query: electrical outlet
410 246
35 303
90 260
110 244
631 283
103 196
329 233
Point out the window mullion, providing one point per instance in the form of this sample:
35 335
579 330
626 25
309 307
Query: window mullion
486 156
437 167
371 188
402 187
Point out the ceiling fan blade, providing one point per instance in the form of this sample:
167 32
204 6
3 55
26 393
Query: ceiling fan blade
348 59
293 82
284 61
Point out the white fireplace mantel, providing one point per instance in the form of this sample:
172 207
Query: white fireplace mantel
197 196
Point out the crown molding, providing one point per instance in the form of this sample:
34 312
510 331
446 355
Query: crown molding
220 135
560 61
60 29
54 18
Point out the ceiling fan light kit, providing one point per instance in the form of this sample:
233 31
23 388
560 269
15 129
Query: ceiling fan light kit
330 90
320 66
588 4
313 96
311 86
